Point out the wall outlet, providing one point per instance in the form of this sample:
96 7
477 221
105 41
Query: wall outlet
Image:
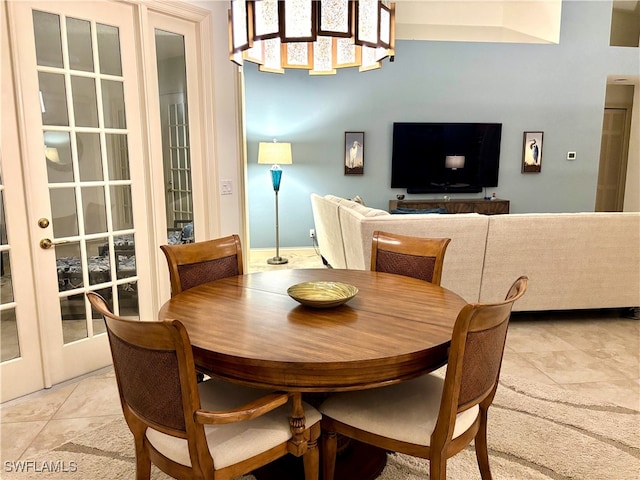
312 233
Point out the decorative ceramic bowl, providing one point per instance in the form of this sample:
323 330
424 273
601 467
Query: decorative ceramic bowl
322 294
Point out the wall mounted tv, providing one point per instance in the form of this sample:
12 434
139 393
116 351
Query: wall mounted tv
445 157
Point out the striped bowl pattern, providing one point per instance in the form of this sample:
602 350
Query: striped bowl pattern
322 294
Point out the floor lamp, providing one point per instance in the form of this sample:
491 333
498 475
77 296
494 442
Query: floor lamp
275 154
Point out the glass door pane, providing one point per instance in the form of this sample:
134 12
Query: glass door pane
10 344
172 85
86 158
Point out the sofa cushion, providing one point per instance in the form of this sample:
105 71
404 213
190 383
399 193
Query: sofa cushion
358 199
368 211
358 207
333 198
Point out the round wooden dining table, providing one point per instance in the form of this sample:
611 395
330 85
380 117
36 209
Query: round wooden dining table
247 329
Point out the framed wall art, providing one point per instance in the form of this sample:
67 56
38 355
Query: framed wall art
532 152
353 153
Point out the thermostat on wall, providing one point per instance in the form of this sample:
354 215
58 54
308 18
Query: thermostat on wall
571 155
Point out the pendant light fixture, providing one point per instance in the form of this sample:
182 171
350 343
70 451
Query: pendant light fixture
317 35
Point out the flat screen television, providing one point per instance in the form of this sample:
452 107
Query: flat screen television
445 157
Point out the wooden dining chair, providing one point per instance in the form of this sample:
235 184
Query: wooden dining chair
193 264
430 417
416 257
211 430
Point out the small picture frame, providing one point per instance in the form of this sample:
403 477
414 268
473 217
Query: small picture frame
353 153
532 152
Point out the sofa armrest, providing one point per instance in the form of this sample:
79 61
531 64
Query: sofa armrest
327 226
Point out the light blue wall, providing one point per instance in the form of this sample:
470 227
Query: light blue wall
557 89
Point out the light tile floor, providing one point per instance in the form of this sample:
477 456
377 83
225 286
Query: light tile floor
592 352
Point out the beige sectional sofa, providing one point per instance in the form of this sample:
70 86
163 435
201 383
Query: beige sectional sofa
573 260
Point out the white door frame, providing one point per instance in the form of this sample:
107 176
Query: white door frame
23 374
194 24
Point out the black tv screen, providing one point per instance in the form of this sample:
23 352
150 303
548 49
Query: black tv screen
445 157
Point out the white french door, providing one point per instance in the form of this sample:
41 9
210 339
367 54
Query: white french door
81 143
20 356
176 130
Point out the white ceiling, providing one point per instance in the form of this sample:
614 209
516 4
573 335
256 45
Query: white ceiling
491 21
523 21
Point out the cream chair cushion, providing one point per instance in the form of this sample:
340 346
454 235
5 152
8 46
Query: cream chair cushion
231 443
405 411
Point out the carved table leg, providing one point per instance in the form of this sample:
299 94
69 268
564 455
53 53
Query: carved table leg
298 443
357 461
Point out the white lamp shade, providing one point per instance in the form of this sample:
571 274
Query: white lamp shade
52 154
454 161
274 153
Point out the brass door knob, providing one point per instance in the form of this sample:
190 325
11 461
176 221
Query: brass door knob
47 243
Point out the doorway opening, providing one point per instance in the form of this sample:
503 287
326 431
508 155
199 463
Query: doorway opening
614 148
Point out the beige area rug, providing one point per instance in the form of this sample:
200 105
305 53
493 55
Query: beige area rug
535 432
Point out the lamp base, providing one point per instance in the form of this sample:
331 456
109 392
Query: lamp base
277 261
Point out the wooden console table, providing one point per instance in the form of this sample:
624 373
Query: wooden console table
468 205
